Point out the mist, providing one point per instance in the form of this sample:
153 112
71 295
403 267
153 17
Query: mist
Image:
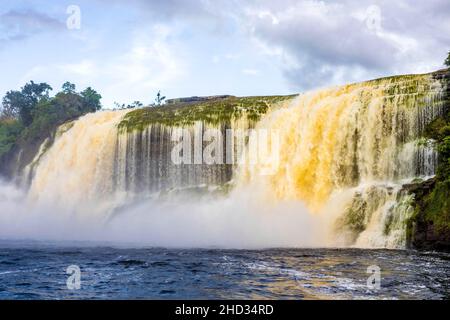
235 221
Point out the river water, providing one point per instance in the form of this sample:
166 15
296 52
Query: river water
37 270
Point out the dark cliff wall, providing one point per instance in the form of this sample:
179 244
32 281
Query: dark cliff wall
429 228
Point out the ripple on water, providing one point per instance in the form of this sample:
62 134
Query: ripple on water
195 274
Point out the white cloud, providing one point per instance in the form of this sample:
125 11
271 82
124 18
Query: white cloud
227 56
21 24
310 43
150 64
32 74
267 14
318 43
82 68
250 72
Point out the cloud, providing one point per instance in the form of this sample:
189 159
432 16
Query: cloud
176 9
316 43
146 45
320 43
227 57
18 25
250 72
33 74
82 68
150 63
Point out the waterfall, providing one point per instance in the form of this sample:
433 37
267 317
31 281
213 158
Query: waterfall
344 152
143 160
77 169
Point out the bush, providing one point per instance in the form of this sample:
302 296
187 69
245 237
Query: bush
9 131
437 207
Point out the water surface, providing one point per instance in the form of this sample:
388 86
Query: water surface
37 270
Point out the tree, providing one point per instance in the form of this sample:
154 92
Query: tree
70 101
136 104
118 105
9 131
20 104
30 114
11 104
92 99
68 87
36 91
159 98
447 61
33 93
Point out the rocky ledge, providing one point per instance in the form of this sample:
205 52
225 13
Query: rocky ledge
422 230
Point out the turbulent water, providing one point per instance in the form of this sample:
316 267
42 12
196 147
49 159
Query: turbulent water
333 177
30 270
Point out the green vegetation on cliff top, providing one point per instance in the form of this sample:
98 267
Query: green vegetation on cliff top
30 115
210 111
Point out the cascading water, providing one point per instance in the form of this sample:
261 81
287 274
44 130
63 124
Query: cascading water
77 169
345 152
144 159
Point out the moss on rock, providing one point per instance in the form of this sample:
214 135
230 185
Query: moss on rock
429 227
210 111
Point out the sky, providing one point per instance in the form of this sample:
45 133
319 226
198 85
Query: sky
129 49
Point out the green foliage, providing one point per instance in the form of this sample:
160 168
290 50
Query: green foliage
9 131
159 99
32 115
436 205
444 148
68 87
211 111
443 173
51 113
10 103
354 216
21 103
447 61
437 209
91 99
135 104
437 129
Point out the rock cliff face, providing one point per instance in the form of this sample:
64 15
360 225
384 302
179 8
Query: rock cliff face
26 150
429 227
421 231
148 137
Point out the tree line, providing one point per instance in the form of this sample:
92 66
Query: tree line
32 113
33 101
159 101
